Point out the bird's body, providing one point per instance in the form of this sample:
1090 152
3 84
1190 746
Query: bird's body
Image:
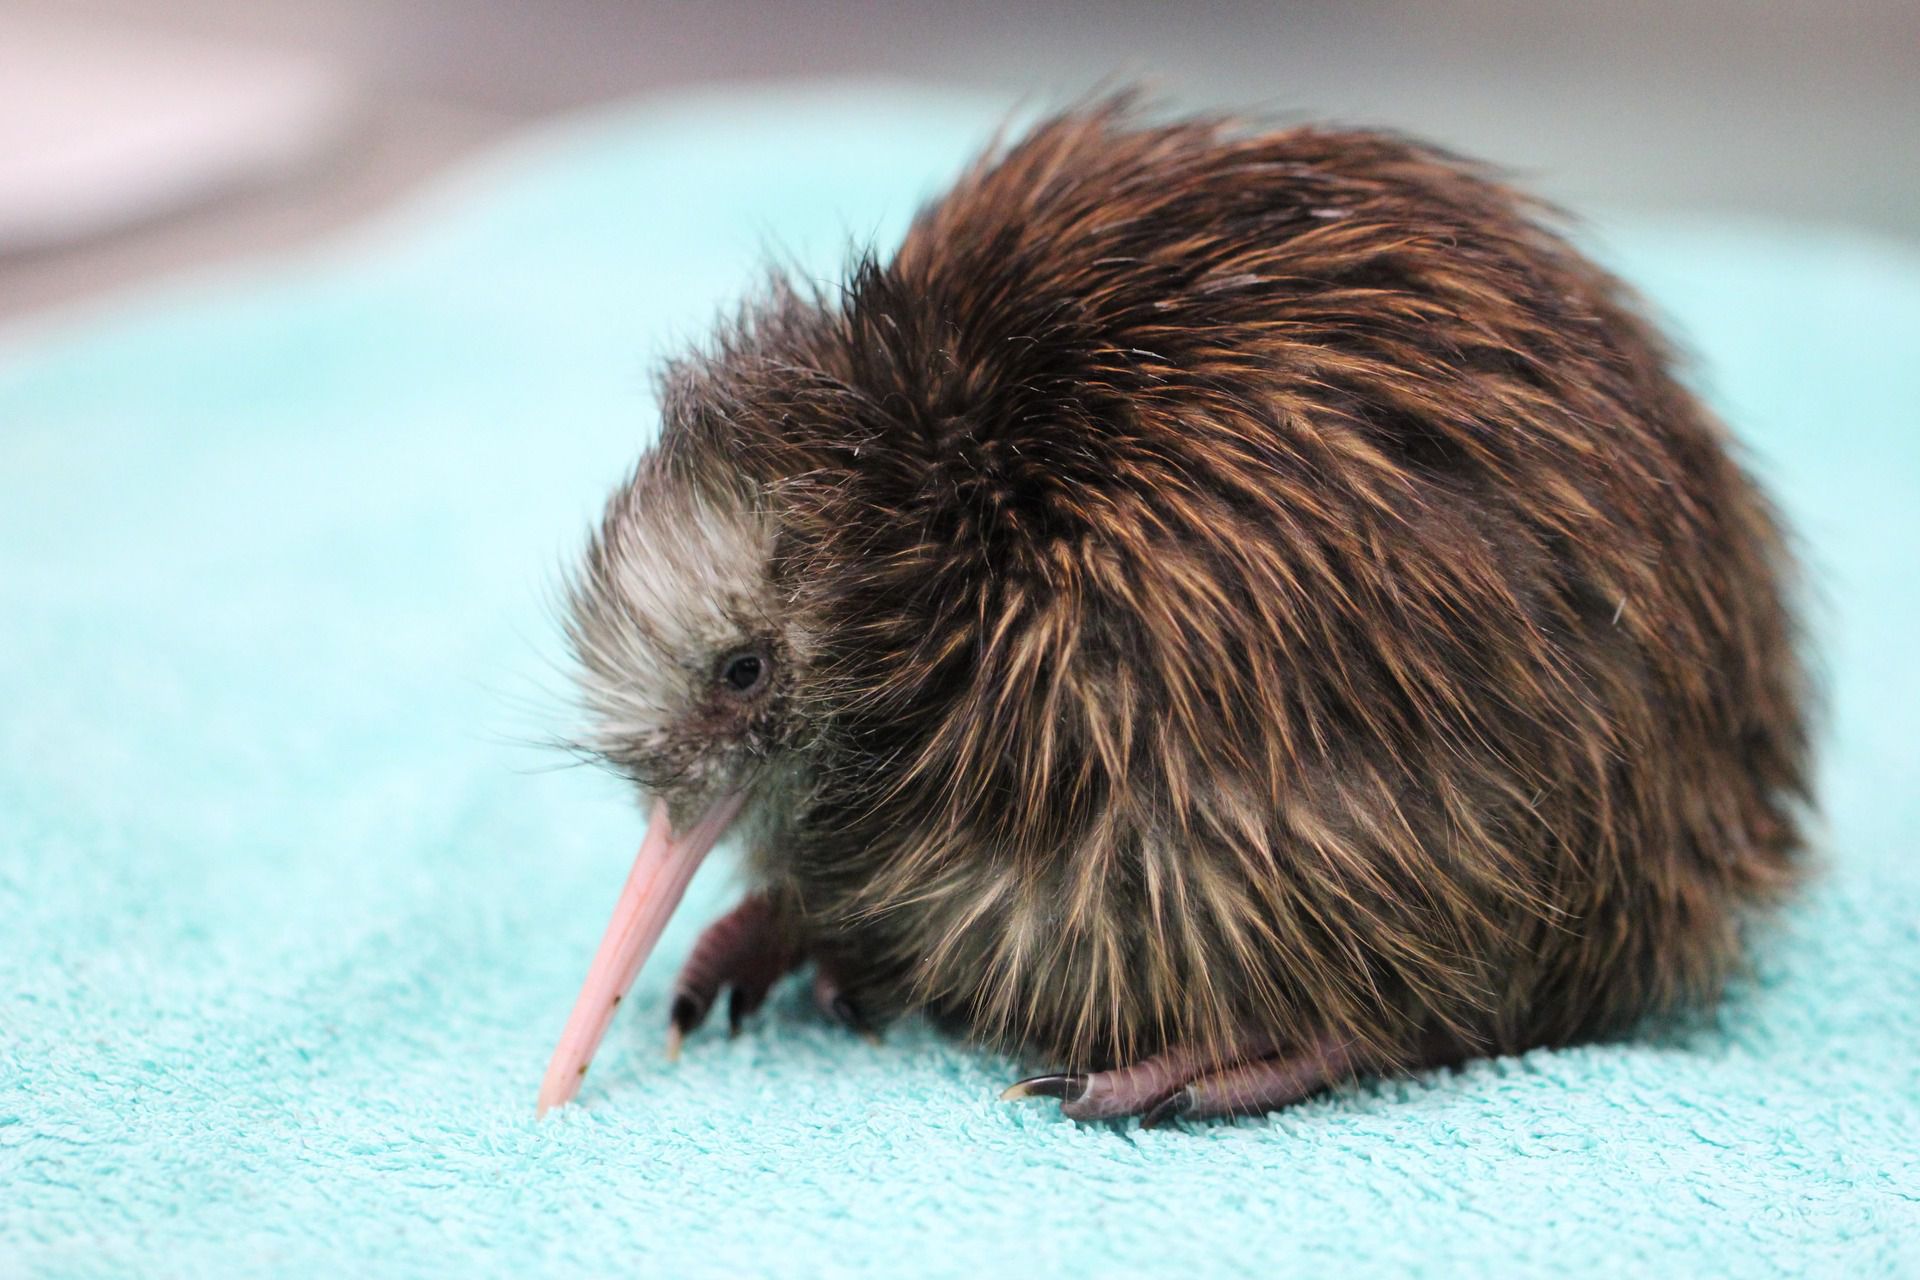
1215 595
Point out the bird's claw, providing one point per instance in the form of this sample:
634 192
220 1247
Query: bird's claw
743 952
1171 1107
837 1007
1183 1083
742 1002
686 1013
1066 1086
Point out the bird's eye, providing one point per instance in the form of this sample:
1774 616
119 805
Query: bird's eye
744 672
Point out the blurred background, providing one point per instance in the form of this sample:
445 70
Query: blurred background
142 137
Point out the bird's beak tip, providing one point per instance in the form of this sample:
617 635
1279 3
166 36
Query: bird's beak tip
661 872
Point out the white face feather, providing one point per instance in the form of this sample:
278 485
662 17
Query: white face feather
674 582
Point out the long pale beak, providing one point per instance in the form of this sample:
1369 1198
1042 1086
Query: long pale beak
661 872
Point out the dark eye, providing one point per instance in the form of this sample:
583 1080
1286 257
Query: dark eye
744 672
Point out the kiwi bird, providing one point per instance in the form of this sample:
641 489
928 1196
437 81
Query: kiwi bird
1219 613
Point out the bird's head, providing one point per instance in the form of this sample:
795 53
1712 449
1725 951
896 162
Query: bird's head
685 664
688 674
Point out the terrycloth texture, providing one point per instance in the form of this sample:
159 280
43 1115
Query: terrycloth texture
292 914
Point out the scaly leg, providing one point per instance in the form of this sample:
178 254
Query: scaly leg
1260 1085
1189 1082
745 951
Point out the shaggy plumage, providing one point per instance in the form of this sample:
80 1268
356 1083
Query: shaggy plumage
1217 588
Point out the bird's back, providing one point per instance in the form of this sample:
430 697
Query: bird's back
1262 583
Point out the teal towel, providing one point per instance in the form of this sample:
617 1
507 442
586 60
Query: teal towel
293 905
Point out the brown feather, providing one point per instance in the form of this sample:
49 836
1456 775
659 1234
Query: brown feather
1239 583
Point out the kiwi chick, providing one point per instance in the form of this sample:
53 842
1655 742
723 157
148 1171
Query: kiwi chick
1219 612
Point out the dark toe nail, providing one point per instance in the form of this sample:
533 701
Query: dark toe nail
1171 1107
686 1013
741 1004
1066 1087
847 1014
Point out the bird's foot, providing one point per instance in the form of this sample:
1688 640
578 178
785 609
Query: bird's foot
1194 1084
837 1006
743 953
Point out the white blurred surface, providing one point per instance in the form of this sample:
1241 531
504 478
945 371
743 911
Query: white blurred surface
105 126
1801 110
